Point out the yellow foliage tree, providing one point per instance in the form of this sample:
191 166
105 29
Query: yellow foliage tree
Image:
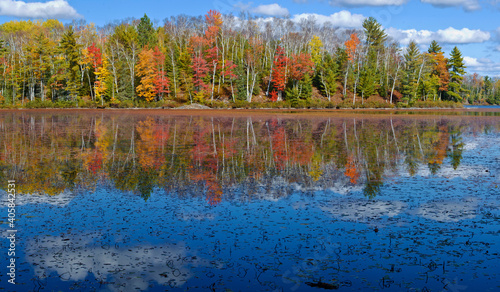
315 46
146 71
102 74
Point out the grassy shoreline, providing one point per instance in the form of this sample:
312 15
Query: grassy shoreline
315 104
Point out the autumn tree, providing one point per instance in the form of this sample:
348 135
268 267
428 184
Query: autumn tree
102 82
199 65
280 72
161 81
440 71
214 22
146 73
301 68
351 46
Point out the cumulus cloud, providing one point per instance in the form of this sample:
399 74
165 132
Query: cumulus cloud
270 10
462 36
482 65
357 3
50 9
342 18
468 5
449 35
471 62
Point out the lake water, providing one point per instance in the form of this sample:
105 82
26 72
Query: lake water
252 201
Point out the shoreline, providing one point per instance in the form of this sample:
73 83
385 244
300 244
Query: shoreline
306 113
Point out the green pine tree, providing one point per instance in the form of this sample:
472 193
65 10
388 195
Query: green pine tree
434 48
70 49
326 76
457 71
412 59
146 32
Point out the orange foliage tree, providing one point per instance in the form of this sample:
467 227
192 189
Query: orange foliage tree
440 69
146 71
351 46
351 170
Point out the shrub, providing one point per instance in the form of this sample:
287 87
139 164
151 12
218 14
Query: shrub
126 104
86 104
240 104
376 104
436 104
402 105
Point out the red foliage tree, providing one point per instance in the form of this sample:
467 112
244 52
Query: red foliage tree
95 56
161 81
279 71
301 65
199 64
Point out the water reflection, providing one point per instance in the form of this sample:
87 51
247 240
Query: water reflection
253 203
52 153
74 259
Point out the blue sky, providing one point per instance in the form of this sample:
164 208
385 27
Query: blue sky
472 25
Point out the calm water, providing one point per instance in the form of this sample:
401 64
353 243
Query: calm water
117 201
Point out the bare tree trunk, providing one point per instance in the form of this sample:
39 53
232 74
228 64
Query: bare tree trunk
394 83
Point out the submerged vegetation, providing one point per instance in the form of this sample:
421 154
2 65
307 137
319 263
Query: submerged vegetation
226 61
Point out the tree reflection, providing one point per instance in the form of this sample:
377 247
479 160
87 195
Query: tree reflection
207 156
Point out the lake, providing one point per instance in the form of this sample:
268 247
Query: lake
251 200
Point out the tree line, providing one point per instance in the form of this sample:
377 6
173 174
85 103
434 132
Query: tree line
225 58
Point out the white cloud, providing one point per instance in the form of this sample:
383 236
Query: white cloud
342 18
468 5
449 211
367 2
497 49
50 9
462 36
84 258
471 62
445 36
483 66
363 210
270 10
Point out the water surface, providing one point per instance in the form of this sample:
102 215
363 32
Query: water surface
116 201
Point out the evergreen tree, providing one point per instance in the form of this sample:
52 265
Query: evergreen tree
326 76
375 39
146 33
70 49
412 61
367 83
305 86
434 48
375 35
487 85
457 70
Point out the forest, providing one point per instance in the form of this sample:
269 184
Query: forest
227 61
